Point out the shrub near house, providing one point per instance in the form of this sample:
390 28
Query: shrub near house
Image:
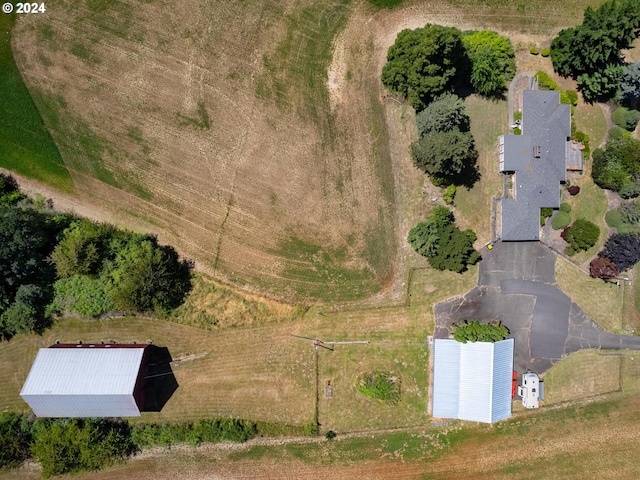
581 235
475 331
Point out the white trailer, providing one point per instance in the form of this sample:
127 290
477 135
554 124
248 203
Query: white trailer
531 390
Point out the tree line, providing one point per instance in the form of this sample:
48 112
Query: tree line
74 445
428 67
591 52
53 264
426 62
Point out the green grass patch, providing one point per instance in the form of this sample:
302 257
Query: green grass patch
81 51
600 300
296 71
386 3
85 150
582 374
636 286
412 445
473 207
26 146
590 204
112 16
590 119
383 386
322 274
202 122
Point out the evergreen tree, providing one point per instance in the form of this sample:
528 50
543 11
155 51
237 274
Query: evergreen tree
590 52
445 155
444 114
443 243
630 86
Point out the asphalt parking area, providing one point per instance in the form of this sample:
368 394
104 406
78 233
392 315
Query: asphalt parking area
516 285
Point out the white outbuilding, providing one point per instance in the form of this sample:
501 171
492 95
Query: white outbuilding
472 381
86 381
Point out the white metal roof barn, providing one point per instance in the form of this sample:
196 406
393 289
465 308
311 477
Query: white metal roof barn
472 381
85 381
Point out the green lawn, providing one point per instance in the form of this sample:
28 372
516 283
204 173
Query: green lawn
600 300
590 119
473 207
26 146
296 72
591 204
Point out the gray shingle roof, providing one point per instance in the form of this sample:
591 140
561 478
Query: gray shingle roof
538 159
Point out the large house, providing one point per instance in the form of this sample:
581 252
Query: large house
538 161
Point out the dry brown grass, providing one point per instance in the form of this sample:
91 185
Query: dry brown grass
271 166
582 375
256 373
601 301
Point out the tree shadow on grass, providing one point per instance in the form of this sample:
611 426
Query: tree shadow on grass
467 177
159 381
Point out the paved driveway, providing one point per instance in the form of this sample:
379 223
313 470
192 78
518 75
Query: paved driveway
516 285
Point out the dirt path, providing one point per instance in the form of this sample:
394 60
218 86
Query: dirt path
63 202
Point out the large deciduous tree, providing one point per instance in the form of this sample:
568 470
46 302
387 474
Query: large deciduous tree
146 276
15 439
76 445
492 61
83 248
424 63
26 240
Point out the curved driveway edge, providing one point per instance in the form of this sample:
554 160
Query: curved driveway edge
516 285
